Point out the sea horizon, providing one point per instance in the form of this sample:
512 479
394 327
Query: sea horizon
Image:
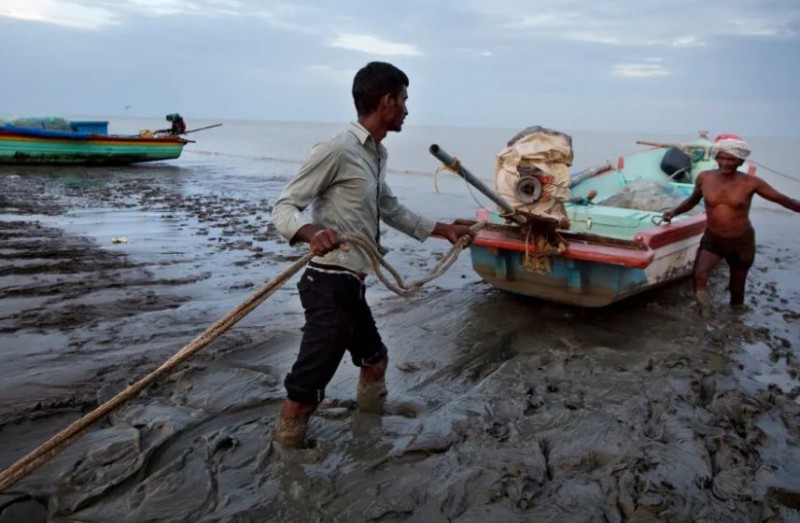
410 123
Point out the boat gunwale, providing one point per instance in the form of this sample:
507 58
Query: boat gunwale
638 253
38 135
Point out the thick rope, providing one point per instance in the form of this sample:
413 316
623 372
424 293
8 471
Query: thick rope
547 242
400 287
50 448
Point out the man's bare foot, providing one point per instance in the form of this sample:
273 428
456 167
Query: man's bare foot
292 424
703 303
371 395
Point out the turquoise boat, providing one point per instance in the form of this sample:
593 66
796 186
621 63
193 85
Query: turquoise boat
613 250
83 143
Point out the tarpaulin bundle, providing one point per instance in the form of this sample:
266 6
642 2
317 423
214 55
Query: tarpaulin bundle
532 174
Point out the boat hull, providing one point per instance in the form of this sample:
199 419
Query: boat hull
613 251
594 276
34 147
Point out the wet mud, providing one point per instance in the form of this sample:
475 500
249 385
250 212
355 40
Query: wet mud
501 407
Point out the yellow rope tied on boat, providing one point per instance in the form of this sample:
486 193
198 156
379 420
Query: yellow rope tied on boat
67 436
547 242
453 167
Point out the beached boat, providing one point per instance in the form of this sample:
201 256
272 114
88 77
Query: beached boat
616 245
83 143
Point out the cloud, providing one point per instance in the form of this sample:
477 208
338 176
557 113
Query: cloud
373 45
162 7
58 12
290 17
472 52
99 14
688 41
78 14
200 8
641 70
677 24
756 27
337 75
545 21
598 37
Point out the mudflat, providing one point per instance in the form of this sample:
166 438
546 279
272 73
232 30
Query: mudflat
501 408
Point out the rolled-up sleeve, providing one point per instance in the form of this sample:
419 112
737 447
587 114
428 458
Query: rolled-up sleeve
312 179
398 216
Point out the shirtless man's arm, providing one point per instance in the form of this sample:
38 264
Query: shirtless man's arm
766 191
688 203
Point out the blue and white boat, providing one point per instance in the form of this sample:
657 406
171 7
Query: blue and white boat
612 251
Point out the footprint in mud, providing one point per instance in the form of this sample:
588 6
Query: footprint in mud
521 482
333 412
410 366
483 359
274 453
333 408
786 497
21 508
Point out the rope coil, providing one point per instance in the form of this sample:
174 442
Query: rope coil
50 448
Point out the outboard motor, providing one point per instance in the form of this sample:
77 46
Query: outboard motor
528 188
532 173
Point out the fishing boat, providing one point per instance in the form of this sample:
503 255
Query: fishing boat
49 141
616 245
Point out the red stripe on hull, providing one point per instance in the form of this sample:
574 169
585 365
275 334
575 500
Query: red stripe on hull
639 258
636 258
673 232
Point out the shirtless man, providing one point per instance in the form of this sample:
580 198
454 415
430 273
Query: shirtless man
729 234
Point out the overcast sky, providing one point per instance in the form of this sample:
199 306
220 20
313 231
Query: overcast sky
610 65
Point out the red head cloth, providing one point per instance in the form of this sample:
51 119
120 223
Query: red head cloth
727 136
